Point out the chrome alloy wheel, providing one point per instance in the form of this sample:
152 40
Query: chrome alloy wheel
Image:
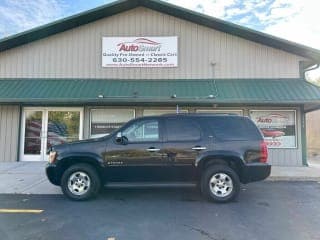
79 183
221 185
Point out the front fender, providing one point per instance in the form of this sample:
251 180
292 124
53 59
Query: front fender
81 157
64 160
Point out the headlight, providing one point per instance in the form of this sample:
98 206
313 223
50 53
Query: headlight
52 156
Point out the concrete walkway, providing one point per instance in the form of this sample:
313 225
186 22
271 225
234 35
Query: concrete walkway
30 178
25 178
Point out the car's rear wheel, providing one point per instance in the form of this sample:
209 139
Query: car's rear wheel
80 182
220 183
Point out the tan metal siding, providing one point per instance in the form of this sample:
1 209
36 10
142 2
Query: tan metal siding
9 132
77 53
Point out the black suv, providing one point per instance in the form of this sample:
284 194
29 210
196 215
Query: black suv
216 152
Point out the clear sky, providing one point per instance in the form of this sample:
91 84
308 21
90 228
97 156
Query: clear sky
295 20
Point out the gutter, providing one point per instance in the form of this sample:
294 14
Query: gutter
310 69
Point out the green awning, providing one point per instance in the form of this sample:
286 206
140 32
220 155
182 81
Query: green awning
202 91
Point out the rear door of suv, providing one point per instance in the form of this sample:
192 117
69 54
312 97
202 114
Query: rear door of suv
184 141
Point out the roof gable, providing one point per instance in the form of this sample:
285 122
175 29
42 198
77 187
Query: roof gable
157 5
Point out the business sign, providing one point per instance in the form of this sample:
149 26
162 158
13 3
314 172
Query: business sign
139 51
277 127
104 128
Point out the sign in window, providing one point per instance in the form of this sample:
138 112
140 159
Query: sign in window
105 121
277 126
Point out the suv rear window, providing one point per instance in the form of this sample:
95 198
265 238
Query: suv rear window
233 128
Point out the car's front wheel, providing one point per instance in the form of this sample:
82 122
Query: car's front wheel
220 183
80 182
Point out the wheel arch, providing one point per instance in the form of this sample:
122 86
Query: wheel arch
232 160
67 161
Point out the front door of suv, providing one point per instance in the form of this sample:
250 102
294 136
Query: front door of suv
140 156
184 141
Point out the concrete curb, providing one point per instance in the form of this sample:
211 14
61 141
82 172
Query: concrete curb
293 179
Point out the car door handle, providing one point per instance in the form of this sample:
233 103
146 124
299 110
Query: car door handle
197 148
153 149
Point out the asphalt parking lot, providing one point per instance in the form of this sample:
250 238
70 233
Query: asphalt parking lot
265 210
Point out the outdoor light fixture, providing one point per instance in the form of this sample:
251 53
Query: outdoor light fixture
211 96
100 96
174 96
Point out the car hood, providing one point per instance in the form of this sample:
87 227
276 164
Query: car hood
69 146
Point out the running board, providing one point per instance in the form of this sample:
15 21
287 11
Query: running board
149 184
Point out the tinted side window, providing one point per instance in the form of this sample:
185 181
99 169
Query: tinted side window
142 131
182 130
233 128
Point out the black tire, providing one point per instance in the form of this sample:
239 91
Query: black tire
91 191
211 195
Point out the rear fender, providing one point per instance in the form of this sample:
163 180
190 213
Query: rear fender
221 155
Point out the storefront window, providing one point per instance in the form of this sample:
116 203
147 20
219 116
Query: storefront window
63 126
277 126
104 121
154 112
220 111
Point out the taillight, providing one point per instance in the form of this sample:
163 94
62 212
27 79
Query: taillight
263 152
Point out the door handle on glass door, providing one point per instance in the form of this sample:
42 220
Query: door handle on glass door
197 148
152 149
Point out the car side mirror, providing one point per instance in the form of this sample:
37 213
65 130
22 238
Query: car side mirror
121 139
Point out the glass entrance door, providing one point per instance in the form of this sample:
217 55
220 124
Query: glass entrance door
46 127
33 135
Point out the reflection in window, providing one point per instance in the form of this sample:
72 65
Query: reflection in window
142 131
33 129
63 127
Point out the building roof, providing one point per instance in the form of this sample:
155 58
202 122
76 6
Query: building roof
164 7
203 91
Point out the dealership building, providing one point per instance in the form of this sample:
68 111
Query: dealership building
85 75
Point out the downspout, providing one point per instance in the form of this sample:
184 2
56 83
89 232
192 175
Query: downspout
304 138
19 132
303 125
